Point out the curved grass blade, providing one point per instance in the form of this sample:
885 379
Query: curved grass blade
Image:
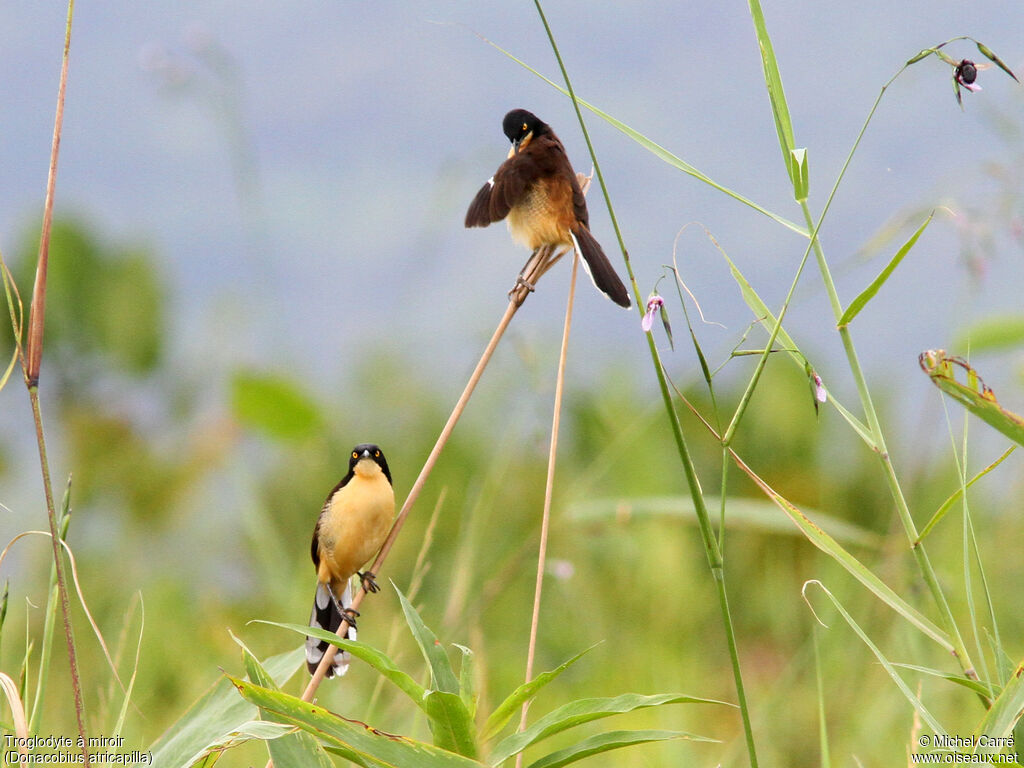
1004 713
376 659
975 686
975 395
605 742
293 750
467 686
776 93
985 51
374 746
926 716
437 658
869 293
583 711
858 570
955 496
656 149
218 712
524 693
750 514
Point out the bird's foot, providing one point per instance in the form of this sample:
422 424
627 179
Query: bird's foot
368 580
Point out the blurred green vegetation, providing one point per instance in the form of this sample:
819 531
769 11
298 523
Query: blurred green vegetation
199 496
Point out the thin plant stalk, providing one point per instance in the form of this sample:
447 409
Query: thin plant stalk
539 262
708 538
31 362
549 485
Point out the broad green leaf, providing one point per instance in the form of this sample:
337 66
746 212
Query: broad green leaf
869 293
926 716
274 405
656 149
467 685
958 493
982 689
975 396
376 747
583 711
524 693
776 93
437 658
858 570
605 742
743 513
295 750
216 714
376 659
1004 713
764 315
992 334
450 723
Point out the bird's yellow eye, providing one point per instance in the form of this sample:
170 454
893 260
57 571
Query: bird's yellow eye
376 454
524 126
355 454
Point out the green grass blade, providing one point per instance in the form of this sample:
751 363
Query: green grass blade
765 315
656 149
450 723
437 658
854 567
294 750
524 693
749 514
959 492
776 93
583 711
975 396
926 716
605 742
376 659
467 684
1005 712
377 747
217 713
869 293
975 686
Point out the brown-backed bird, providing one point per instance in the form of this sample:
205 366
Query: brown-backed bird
352 526
536 188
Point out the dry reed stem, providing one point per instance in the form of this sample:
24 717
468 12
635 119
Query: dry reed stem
541 260
549 484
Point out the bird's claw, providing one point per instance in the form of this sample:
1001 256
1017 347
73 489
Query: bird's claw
368 580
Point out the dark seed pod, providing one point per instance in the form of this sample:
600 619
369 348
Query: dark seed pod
966 72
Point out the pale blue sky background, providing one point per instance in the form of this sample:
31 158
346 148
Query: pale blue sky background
371 126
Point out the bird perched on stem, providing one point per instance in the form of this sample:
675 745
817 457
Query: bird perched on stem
537 190
352 526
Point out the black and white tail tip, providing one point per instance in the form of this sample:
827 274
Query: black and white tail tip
326 616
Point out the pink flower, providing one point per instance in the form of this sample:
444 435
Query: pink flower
654 305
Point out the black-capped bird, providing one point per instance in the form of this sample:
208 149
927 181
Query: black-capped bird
536 188
352 526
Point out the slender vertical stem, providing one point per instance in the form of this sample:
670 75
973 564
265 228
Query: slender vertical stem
548 490
902 509
707 534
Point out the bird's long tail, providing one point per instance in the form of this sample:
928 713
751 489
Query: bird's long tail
326 616
601 271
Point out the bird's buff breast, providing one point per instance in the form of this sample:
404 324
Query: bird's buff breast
356 525
532 223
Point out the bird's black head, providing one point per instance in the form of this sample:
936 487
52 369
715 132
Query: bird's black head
368 452
521 126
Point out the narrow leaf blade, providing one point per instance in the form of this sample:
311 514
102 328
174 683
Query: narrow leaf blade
605 742
869 293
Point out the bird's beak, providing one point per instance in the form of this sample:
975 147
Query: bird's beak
520 144
366 453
